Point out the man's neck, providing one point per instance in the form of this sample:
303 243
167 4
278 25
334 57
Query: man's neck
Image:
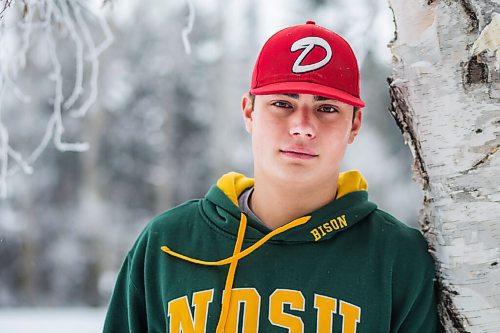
276 204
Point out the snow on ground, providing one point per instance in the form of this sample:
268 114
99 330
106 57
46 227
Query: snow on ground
49 320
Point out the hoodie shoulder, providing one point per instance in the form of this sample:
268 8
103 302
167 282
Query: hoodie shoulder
175 227
181 214
168 222
396 228
408 245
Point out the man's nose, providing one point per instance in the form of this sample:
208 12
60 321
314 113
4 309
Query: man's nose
302 124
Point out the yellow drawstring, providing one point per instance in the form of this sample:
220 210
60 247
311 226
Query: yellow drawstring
243 253
226 298
233 260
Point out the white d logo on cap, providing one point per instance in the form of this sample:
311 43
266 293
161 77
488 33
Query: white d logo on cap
308 43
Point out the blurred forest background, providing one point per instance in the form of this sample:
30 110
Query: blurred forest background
164 126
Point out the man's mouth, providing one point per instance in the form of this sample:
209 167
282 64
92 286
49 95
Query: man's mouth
299 153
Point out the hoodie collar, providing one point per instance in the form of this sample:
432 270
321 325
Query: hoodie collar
350 206
233 184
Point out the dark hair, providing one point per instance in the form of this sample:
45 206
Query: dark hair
252 99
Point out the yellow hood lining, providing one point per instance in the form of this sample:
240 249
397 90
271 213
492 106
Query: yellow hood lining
350 181
233 184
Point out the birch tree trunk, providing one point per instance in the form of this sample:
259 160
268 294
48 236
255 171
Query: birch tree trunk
445 92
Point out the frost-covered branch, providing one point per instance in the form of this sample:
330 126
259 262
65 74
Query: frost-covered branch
189 27
50 23
56 76
4 144
78 87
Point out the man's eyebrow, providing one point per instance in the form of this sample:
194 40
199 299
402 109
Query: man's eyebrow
316 97
321 98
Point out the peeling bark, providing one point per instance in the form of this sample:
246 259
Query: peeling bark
476 71
482 161
471 14
445 92
447 308
400 110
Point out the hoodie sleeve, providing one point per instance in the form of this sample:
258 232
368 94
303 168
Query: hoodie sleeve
422 313
127 308
414 288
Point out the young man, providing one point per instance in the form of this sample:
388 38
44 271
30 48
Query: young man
299 248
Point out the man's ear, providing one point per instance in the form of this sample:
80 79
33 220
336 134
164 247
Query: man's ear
356 125
247 108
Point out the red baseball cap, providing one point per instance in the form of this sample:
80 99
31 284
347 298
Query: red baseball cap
307 59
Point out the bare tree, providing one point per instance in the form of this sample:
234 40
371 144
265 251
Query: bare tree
445 98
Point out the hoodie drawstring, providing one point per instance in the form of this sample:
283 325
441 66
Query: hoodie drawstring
228 288
233 260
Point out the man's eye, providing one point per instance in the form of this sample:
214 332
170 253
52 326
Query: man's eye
281 104
328 109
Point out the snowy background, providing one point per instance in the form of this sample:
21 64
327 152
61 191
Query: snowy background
162 126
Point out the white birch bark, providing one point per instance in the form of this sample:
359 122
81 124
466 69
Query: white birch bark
446 92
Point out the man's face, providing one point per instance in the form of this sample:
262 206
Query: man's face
299 138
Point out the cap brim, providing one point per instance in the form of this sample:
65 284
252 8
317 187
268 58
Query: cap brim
308 88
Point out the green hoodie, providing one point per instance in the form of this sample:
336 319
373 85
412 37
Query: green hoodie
346 267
